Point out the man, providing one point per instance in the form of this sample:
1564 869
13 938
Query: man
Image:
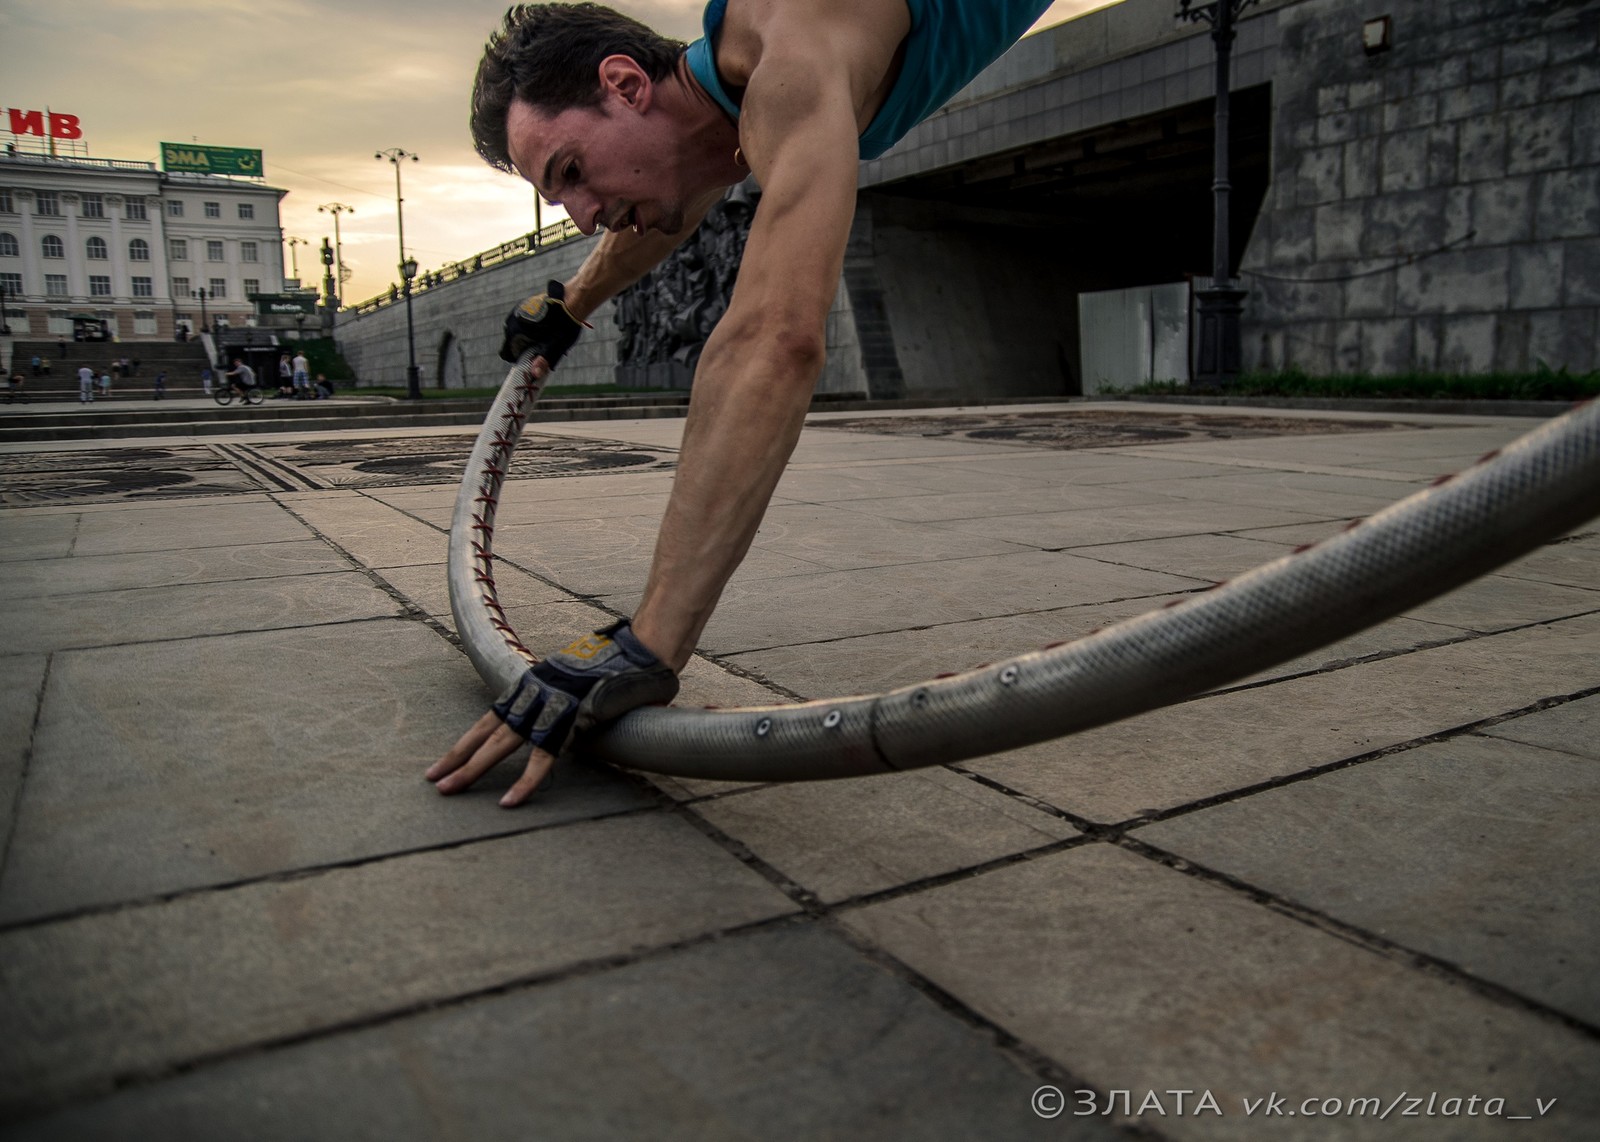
638 137
85 385
302 376
241 377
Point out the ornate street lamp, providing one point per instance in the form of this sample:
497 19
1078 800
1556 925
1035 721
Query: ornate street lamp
1222 302
294 258
395 155
5 326
205 322
408 270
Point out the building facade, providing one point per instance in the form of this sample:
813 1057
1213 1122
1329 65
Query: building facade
120 241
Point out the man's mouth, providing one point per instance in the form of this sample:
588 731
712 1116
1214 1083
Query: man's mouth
628 220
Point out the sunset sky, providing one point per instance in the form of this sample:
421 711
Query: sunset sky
318 87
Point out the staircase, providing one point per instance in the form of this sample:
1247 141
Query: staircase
181 361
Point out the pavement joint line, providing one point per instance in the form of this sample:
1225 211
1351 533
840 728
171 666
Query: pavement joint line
101 1087
319 625
1425 962
90 592
310 871
10 824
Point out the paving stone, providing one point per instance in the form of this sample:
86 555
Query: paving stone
1055 530
926 508
91 1000
784 1032
147 614
276 752
848 838
428 587
1573 563
1212 745
85 573
841 604
1276 490
225 522
1205 557
840 539
1501 883
1137 977
33 535
1569 728
1387 638
21 683
1496 602
376 535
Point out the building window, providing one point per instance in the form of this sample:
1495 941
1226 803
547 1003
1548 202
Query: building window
134 210
11 283
55 285
99 285
213 250
252 286
45 202
213 210
8 246
138 250
94 206
144 321
247 252
219 287
7 205
143 287
247 210
178 249
52 247
174 208
95 249
180 287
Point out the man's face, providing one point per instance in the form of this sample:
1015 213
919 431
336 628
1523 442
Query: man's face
610 168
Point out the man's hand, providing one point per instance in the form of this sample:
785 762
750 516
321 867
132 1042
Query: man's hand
597 678
544 324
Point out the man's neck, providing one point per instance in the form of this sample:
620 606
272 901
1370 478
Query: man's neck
710 138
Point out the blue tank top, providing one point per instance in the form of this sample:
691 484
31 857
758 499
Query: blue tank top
950 42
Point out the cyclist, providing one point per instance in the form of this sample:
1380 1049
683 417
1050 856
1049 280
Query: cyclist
241 378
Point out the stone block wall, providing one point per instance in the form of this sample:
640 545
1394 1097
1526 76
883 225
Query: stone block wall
1435 207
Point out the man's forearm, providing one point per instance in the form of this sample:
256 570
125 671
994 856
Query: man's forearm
749 404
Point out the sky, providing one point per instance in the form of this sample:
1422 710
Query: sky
319 86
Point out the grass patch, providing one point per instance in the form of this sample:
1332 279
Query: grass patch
1543 384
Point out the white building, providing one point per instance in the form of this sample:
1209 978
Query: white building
119 240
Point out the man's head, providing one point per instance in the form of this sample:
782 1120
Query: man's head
548 56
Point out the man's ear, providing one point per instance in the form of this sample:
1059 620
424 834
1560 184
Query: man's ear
621 75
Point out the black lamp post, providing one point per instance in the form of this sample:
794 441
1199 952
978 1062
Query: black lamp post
408 267
408 270
205 322
5 326
1222 302
336 209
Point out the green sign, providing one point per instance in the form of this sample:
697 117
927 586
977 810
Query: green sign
271 304
193 157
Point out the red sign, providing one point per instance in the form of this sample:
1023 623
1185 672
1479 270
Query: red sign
57 124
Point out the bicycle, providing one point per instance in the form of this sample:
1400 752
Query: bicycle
224 395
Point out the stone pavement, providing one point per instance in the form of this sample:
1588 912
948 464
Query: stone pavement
231 908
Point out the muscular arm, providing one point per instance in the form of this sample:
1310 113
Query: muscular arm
755 379
620 259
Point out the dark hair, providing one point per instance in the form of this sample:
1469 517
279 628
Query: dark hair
549 55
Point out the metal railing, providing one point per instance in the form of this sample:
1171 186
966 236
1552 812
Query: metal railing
67 160
533 242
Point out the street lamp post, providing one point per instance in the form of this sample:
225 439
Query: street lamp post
5 326
205 322
408 268
336 209
1222 302
294 259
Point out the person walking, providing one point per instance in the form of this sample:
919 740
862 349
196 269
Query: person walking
85 385
105 384
161 384
205 379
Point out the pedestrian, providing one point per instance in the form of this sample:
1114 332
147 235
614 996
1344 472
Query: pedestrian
161 384
639 137
302 375
324 387
36 364
105 384
205 379
61 346
44 365
17 388
85 385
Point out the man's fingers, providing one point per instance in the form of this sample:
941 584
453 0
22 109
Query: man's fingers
499 745
465 746
540 368
539 763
